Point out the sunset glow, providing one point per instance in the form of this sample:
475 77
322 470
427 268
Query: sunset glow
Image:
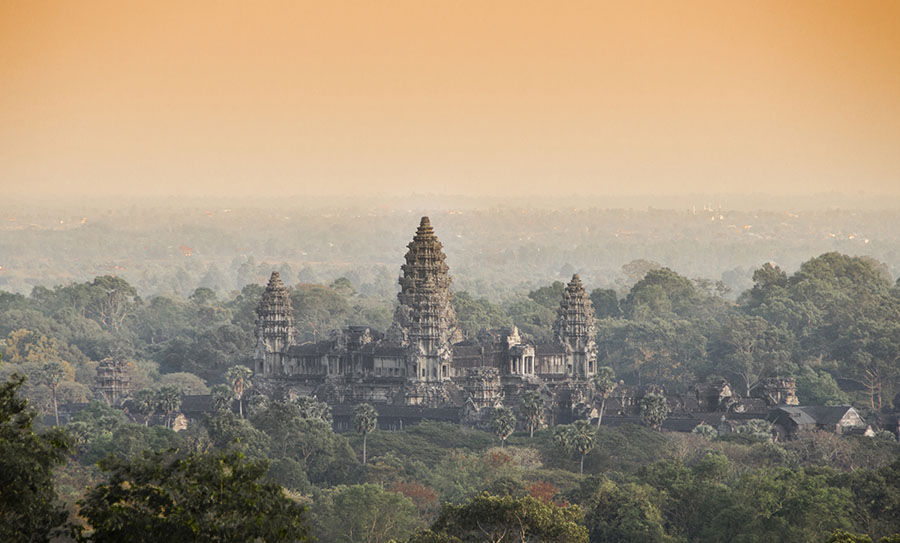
450 97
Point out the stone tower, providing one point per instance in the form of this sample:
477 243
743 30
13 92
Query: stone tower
574 328
425 321
274 328
112 380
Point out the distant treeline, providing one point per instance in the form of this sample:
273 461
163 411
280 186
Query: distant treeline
493 252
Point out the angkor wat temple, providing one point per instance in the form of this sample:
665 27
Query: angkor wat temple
424 368
423 360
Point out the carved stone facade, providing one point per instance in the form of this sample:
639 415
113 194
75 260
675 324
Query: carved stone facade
777 391
274 328
425 321
423 359
422 367
574 328
113 382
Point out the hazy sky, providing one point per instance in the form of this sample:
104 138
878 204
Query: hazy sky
464 97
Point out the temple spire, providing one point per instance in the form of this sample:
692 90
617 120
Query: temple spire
274 327
425 321
574 328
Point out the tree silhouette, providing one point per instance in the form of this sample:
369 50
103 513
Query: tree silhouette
366 420
51 374
503 423
604 383
239 377
533 410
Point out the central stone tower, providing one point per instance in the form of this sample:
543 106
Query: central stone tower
425 322
274 328
574 328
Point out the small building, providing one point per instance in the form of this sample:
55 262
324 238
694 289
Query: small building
790 420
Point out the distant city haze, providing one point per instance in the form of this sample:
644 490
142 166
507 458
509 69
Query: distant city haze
516 98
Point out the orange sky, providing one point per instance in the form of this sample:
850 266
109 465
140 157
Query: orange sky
475 97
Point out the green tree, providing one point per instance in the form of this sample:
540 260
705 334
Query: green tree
756 429
364 514
503 422
239 377
661 292
343 286
318 310
507 520
313 409
581 437
667 349
52 374
629 512
606 303
786 505
818 387
705 431
365 418
654 410
604 382
203 296
221 396
168 400
549 296
840 536
29 509
144 403
532 410
228 432
751 348
475 315
326 456
112 301
199 497
187 383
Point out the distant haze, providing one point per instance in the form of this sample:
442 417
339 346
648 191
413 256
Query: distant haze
500 98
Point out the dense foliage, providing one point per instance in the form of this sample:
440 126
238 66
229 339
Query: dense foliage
153 498
833 325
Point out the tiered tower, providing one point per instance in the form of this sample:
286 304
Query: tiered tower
274 328
575 329
425 321
112 380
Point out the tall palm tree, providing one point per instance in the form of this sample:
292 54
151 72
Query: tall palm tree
503 423
221 396
366 419
582 437
144 403
239 377
579 437
168 399
604 383
533 410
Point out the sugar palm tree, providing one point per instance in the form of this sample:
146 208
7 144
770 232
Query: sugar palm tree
533 410
366 419
503 423
239 377
582 437
579 437
168 400
604 383
221 396
144 404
